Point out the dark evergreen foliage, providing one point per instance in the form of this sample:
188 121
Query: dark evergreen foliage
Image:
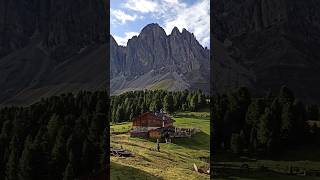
60 137
266 125
128 105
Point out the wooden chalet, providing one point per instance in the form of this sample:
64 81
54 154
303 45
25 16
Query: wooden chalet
154 133
150 124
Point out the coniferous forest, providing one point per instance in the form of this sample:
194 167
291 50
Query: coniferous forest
266 126
130 104
61 137
65 137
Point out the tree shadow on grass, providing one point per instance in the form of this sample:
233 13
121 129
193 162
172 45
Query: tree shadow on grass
199 141
121 172
265 175
305 153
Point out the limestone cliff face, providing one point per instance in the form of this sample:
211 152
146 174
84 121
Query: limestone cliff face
51 46
277 40
63 26
153 50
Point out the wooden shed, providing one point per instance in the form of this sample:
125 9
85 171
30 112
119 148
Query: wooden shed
150 121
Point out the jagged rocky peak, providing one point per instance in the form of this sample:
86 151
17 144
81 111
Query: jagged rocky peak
153 57
184 31
154 29
113 41
175 31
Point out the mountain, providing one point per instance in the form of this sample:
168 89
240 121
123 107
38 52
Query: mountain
269 43
51 47
155 60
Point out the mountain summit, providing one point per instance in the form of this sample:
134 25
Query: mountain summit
155 60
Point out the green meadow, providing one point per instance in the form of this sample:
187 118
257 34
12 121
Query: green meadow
174 161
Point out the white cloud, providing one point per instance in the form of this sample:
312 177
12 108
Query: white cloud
174 13
143 6
195 18
172 1
121 17
123 40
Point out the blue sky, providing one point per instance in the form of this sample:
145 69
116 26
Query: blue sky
128 17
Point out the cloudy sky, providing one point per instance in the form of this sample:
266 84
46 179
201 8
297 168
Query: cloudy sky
128 17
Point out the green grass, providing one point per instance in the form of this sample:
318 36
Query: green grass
174 161
121 127
304 158
164 84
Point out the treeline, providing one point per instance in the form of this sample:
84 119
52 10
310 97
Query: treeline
61 137
262 126
128 105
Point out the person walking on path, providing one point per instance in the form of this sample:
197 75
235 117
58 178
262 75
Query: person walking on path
158 145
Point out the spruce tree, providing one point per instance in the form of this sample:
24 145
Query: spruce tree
12 166
26 167
264 130
168 103
69 172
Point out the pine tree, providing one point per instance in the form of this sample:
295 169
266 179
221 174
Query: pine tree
42 154
59 157
26 168
236 143
12 165
286 121
168 103
69 172
194 103
87 158
52 127
264 129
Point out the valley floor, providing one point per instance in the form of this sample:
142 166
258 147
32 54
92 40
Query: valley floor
174 161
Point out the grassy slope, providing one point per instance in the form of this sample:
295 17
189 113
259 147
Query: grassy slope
174 161
306 158
122 127
164 84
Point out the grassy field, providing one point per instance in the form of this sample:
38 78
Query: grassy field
267 176
305 158
120 128
174 161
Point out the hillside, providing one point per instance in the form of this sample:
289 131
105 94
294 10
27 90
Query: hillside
173 161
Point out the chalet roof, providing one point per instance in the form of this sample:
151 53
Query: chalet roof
157 115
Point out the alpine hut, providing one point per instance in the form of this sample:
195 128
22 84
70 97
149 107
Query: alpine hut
150 124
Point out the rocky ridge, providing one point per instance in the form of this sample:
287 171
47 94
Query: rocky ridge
155 60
